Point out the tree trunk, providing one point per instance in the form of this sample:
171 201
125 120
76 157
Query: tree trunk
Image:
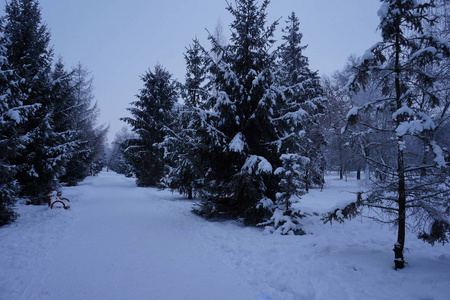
307 179
401 189
190 194
341 163
423 172
399 246
358 174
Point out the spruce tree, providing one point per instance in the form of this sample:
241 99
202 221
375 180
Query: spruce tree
63 123
247 121
12 113
88 156
185 173
414 189
152 117
117 161
193 89
29 54
305 91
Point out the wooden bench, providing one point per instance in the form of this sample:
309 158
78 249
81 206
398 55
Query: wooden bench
54 197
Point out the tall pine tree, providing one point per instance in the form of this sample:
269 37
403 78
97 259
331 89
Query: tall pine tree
82 112
12 113
117 161
306 92
193 89
62 117
29 54
185 173
152 117
247 122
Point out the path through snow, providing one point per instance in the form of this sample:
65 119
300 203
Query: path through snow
119 241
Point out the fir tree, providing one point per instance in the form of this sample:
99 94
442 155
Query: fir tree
29 55
306 92
193 89
180 145
63 124
12 113
247 121
89 153
152 116
117 161
286 217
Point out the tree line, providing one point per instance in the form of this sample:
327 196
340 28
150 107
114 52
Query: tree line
48 131
245 140
257 128
252 128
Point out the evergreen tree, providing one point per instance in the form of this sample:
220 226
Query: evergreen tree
306 92
62 117
89 154
117 161
286 217
12 113
39 108
152 117
415 187
29 55
97 145
64 102
193 89
247 121
180 145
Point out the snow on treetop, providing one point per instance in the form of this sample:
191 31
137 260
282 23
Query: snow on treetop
13 114
441 42
265 202
257 163
415 126
279 170
386 10
353 112
264 166
237 144
402 111
222 100
439 157
418 53
296 116
383 11
368 55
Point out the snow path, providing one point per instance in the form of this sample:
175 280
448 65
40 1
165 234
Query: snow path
122 242
120 247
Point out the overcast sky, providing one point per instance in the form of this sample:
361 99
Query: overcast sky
118 40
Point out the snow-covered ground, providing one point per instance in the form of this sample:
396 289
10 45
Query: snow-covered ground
119 241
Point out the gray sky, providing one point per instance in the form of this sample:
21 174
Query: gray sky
118 40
